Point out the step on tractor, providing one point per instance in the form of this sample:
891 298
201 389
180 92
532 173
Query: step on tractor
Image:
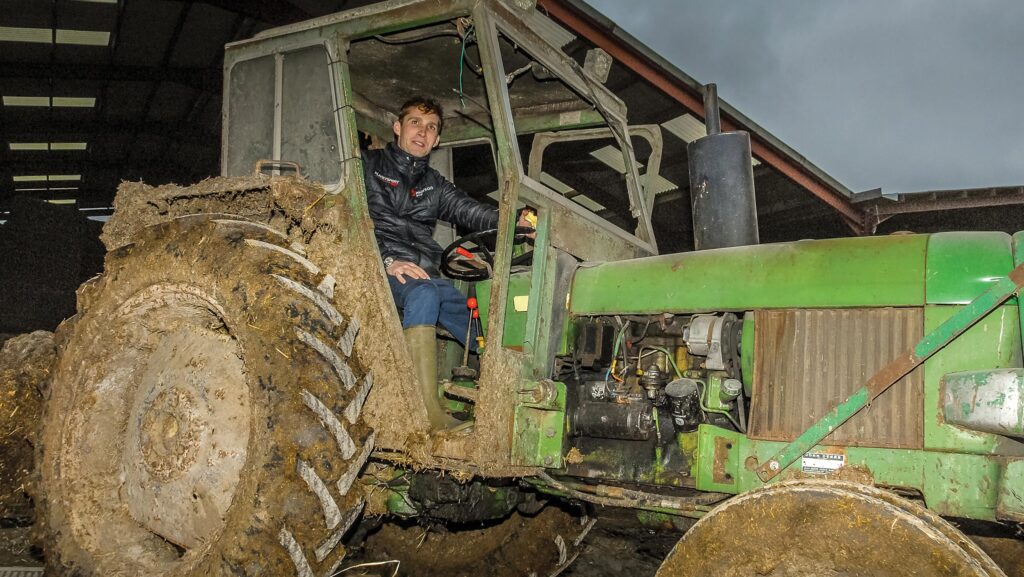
235 395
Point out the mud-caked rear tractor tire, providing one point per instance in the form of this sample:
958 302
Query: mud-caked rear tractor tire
205 414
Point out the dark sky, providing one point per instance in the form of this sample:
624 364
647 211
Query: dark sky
906 95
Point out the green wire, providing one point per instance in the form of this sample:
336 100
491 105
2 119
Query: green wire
667 354
615 349
703 389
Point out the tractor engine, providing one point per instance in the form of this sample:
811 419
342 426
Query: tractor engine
644 385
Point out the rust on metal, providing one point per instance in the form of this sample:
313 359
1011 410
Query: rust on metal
719 471
879 209
892 372
1017 276
807 360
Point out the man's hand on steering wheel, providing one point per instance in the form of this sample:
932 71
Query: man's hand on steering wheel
403 268
472 248
528 219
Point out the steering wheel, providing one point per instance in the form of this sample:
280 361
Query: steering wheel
456 259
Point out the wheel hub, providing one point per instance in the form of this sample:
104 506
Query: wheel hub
170 434
187 434
162 448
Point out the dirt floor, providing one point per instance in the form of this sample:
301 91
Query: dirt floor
610 547
607 551
614 550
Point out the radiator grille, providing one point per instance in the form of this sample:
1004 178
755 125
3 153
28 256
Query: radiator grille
807 361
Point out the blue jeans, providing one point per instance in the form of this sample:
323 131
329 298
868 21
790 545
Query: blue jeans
433 302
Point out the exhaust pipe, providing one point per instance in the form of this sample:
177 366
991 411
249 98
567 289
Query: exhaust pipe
721 183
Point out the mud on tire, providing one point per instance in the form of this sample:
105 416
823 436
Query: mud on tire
205 412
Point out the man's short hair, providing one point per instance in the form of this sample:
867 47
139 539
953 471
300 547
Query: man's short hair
424 105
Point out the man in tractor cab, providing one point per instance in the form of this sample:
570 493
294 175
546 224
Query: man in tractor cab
406 197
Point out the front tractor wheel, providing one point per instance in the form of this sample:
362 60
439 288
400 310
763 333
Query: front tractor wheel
205 412
813 528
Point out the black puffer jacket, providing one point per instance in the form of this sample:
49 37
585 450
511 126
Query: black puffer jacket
406 198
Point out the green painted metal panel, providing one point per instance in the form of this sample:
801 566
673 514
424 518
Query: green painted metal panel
953 484
1018 259
1011 491
849 272
515 321
994 343
519 285
718 462
962 265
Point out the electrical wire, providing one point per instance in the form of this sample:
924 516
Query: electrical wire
462 63
741 426
473 66
663 351
414 37
644 334
615 351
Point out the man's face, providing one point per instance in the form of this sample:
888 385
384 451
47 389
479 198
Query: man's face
418 132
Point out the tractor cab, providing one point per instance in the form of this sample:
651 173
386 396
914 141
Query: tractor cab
525 126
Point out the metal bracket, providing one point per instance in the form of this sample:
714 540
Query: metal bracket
539 424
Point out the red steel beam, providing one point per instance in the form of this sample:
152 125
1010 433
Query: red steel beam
647 70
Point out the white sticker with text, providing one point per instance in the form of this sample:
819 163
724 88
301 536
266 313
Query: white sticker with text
822 463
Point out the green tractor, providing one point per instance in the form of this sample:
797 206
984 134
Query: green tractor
235 394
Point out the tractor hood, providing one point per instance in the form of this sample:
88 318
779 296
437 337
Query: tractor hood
899 270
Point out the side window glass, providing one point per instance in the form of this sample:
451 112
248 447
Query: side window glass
309 128
250 122
301 127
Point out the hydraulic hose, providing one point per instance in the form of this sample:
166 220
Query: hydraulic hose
632 499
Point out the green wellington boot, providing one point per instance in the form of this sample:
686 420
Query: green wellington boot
422 343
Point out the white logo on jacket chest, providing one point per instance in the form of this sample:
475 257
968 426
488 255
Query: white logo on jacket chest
387 180
418 192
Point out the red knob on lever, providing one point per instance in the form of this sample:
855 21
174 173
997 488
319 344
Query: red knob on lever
471 303
463 252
